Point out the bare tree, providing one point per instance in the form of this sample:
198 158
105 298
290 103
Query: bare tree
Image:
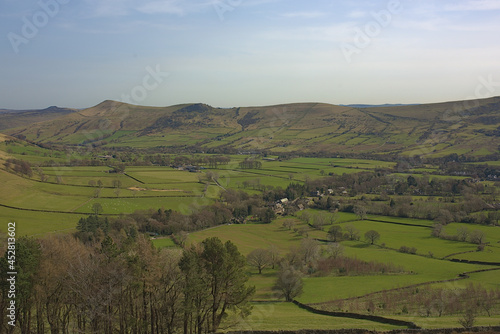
372 236
360 211
289 283
275 255
437 230
334 250
477 237
319 220
260 259
467 321
309 249
462 233
181 238
352 231
117 183
288 223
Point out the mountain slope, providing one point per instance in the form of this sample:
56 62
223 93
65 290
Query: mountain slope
461 127
15 118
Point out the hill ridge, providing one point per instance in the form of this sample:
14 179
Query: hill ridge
463 127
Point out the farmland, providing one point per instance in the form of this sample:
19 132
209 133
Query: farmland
410 252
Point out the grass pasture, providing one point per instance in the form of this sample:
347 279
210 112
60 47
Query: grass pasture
247 236
72 191
418 269
66 195
287 316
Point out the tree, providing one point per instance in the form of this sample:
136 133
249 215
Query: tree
352 231
266 215
52 289
437 230
260 259
462 233
372 236
196 303
411 181
360 211
275 255
96 208
226 279
319 220
28 256
477 237
42 175
334 233
288 223
117 183
334 250
467 321
309 250
289 283
181 238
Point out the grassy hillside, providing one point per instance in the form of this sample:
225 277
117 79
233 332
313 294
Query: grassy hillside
16 118
460 127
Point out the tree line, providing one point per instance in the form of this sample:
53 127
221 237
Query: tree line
124 285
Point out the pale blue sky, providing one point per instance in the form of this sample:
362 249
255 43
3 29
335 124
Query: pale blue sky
246 52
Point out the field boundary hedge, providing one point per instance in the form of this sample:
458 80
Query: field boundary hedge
396 223
460 277
133 178
493 329
54 211
475 262
375 318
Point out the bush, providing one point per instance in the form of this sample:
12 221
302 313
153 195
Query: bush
407 250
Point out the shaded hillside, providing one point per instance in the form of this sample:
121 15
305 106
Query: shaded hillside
15 118
462 127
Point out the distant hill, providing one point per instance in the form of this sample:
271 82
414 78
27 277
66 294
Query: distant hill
376 105
14 118
461 127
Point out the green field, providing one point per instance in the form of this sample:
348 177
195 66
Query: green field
418 268
286 316
69 193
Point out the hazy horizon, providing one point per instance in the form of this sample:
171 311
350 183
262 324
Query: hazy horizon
246 52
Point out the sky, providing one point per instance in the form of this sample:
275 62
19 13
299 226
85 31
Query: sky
78 53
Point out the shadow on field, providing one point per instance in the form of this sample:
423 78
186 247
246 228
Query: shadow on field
361 245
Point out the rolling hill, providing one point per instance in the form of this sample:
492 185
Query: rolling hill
462 127
16 118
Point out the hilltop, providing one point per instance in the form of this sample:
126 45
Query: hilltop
10 118
462 127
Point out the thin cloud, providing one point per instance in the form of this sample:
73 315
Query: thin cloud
474 5
357 14
163 7
304 15
332 33
110 8
250 3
